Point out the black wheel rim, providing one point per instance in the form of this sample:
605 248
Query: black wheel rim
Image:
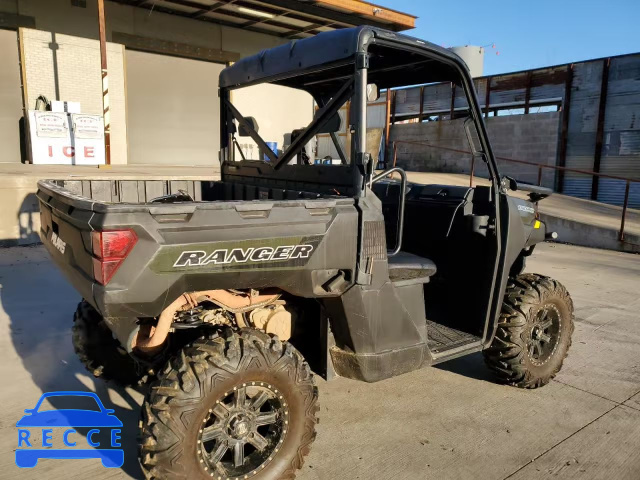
243 431
544 335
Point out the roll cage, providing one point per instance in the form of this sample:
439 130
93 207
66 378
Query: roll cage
335 67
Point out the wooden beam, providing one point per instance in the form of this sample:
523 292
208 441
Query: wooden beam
371 10
102 32
305 8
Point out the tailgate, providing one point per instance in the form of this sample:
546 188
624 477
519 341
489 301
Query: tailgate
66 233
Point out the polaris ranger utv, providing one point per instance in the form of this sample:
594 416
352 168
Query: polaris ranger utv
227 302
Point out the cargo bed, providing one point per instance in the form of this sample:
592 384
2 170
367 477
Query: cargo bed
222 217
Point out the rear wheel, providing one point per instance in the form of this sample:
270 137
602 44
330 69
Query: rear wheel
100 353
534 332
240 405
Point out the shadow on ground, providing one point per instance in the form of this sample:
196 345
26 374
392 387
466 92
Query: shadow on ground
40 306
471 366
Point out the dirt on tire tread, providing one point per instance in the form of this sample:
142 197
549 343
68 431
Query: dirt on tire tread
93 342
506 355
229 353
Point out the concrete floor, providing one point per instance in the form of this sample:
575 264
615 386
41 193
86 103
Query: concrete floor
447 422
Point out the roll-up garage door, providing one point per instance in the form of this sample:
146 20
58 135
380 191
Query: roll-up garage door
173 110
10 97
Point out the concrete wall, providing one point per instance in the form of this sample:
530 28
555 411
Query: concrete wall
532 138
70 71
10 97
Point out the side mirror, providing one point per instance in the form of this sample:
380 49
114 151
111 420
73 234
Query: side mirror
373 93
242 130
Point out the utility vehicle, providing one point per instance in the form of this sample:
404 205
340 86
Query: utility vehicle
227 295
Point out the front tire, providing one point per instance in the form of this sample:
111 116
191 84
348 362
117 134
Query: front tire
240 405
534 332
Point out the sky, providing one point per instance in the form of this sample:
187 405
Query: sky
528 34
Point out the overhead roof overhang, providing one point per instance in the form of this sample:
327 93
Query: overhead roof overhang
283 18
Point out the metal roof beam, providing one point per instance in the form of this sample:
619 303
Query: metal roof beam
250 18
311 30
292 32
216 21
212 8
294 11
311 12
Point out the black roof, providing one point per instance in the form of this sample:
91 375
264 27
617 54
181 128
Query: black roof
328 48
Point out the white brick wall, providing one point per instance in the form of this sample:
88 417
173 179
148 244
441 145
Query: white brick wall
78 78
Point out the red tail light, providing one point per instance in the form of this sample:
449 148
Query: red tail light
110 248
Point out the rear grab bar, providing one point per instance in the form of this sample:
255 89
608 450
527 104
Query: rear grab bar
403 190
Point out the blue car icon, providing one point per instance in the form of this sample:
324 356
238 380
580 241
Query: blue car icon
70 418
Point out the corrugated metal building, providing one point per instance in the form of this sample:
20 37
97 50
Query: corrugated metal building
599 121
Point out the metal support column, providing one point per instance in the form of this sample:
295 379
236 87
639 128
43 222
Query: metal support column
452 110
387 127
600 132
487 98
564 134
527 92
105 83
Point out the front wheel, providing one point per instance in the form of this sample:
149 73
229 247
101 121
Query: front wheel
240 405
534 332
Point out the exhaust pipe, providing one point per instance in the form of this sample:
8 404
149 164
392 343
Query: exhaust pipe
149 341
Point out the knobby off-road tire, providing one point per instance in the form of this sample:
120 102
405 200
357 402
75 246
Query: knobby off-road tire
534 332
202 406
100 353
